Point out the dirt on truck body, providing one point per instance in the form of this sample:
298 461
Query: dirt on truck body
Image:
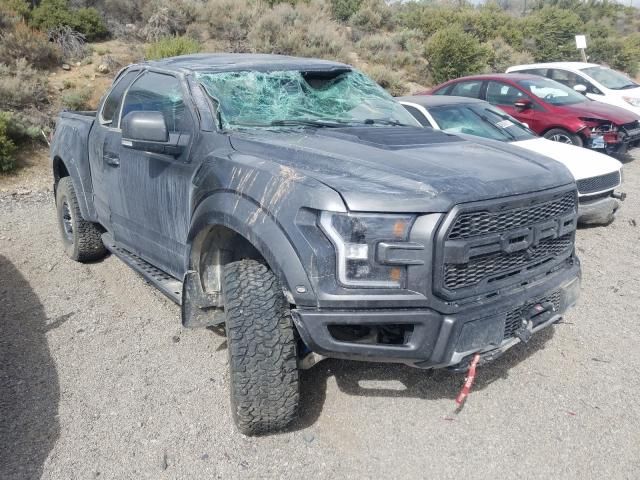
296 202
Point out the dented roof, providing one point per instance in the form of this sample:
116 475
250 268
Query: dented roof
233 62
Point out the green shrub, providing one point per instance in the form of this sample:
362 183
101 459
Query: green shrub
453 53
344 9
172 47
22 41
77 100
51 14
21 86
551 34
7 147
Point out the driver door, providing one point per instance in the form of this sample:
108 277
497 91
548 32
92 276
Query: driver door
504 95
152 217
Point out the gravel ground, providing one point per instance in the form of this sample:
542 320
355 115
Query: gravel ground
99 380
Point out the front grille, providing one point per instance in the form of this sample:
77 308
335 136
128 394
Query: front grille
513 320
599 184
486 266
479 223
487 246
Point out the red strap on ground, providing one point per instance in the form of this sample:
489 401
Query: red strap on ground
468 382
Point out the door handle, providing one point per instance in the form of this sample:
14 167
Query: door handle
112 159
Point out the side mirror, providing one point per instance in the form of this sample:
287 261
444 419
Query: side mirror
580 89
523 104
148 132
145 127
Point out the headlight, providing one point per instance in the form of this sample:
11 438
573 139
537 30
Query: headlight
632 101
356 238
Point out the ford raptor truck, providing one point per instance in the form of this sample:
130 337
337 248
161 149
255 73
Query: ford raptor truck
295 202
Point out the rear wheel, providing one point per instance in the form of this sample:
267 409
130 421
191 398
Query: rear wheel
81 239
262 349
563 136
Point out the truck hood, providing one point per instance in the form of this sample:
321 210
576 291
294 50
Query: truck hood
581 162
404 169
599 110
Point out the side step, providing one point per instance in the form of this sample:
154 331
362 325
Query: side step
164 282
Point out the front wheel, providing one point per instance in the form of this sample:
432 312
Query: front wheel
262 349
81 239
563 136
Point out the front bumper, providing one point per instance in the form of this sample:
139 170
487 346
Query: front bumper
439 340
615 148
598 211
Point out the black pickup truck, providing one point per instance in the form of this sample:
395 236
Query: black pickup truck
296 202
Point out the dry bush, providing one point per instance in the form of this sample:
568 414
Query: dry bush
77 100
21 86
22 41
503 56
229 21
164 18
372 16
306 30
387 79
72 44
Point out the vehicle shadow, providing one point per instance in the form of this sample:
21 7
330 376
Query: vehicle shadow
369 379
29 389
624 157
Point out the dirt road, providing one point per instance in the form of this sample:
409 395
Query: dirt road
99 380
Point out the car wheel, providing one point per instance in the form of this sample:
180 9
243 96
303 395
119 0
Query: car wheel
563 136
261 347
81 239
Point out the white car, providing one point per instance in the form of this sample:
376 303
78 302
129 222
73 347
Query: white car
597 176
595 81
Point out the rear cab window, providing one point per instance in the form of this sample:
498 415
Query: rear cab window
469 89
111 106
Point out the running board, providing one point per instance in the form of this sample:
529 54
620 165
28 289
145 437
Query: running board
164 282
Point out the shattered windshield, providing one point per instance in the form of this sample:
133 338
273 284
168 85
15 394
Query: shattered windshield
285 99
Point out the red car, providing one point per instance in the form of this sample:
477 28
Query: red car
552 110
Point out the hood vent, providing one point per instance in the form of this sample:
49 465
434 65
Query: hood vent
391 138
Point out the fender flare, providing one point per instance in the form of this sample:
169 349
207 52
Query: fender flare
79 185
245 217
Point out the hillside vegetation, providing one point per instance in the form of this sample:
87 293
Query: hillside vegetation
404 46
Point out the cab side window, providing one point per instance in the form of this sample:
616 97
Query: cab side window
469 89
499 93
157 92
571 79
109 114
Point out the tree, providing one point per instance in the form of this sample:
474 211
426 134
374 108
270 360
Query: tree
453 53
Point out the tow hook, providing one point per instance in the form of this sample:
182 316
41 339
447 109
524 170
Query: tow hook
619 195
534 316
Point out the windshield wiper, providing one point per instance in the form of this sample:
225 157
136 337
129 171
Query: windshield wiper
627 86
504 131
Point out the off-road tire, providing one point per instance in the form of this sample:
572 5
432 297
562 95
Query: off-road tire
563 136
262 349
81 239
